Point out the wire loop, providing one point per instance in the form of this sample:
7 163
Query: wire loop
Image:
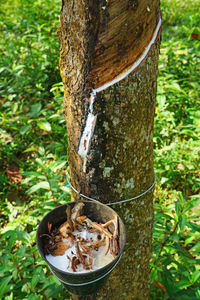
112 203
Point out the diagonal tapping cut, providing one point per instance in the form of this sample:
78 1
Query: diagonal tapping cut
85 140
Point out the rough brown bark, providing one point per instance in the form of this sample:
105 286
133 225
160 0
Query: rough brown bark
77 297
120 160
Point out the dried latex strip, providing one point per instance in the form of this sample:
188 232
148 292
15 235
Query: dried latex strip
85 141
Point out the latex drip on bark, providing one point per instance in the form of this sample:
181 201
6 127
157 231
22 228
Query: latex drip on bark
87 134
125 110
94 51
85 141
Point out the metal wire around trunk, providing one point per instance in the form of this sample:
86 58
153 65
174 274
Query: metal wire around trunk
112 203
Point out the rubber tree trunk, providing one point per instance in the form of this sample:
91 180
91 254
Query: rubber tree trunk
101 40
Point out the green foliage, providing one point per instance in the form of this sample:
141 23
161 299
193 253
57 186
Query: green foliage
176 250
29 49
33 141
176 256
34 145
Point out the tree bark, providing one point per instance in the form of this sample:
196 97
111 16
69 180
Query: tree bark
99 41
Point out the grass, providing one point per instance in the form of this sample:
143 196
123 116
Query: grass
33 149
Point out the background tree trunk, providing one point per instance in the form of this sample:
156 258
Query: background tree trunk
99 41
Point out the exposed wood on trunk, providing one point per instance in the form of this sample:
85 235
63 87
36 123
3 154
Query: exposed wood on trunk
109 36
121 38
120 160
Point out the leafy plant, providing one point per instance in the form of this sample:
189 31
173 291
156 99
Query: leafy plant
175 261
33 149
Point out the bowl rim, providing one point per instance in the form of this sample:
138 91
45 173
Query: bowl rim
87 273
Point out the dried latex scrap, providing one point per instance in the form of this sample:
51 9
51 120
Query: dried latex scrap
69 262
79 244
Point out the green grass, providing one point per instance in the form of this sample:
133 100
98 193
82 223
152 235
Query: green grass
33 143
175 257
